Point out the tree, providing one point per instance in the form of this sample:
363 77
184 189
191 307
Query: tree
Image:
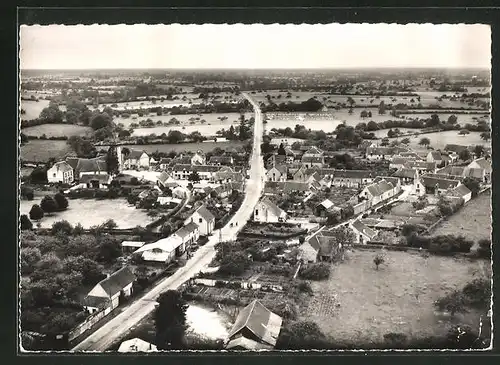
234 264
36 213
170 320
405 141
175 136
48 204
371 126
29 257
485 136
100 120
364 114
62 227
51 114
472 184
465 155
109 250
381 108
26 223
452 119
484 249
109 224
281 150
316 271
112 164
123 134
301 336
478 150
463 132
194 177
378 260
61 201
424 142
454 302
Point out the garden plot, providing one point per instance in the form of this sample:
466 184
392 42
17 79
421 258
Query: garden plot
359 304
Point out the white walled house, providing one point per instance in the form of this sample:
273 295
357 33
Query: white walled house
362 233
276 173
60 172
188 234
136 159
204 219
107 292
198 158
267 211
161 251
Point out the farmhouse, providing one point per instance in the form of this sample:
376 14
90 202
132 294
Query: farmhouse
227 175
205 172
461 191
482 163
320 248
221 160
204 219
456 148
267 211
379 153
398 162
438 185
362 233
87 166
189 234
406 175
313 152
324 207
255 328
164 163
165 180
108 291
312 161
378 191
349 178
135 159
273 188
421 166
277 173
136 345
276 160
435 156
130 246
95 181
60 172
161 251
455 171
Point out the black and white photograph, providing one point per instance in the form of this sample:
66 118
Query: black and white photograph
254 187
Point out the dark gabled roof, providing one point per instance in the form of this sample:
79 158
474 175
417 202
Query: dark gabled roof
312 159
90 165
360 227
406 173
394 180
271 206
221 159
165 160
102 178
460 191
378 188
118 280
323 244
72 161
421 164
187 229
451 170
134 155
483 163
256 318
95 302
197 168
62 166
164 176
474 172
455 148
436 155
205 213
443 184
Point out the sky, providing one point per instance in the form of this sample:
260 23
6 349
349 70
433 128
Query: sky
255 46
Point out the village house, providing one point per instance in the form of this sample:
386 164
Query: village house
326 206
313 152
179 192
436 157
135 159
349 178
379 153
277 173
456 148
221 160
131 246
406 175
205 172
164 163
460 192
276 159
162 251
321 247
452 171
223 191
362 233
227 174
438 185
204 219
378 192
189 234
87 166
287 187
312 161
165 180
268 212
98 181
60 172
107 293
482 163
399 162
136 345
421 166
198 158
255 328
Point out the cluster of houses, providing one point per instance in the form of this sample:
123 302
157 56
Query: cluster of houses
87 172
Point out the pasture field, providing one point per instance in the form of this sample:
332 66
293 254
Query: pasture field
43 150
359 304
90 212
472 221
440 139
32 108
57 130
185 147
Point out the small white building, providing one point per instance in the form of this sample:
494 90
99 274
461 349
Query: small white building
136 345
276 173
136 159
161 251
267 211
362 233
204 219
61 172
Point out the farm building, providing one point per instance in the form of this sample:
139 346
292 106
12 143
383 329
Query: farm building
255 328
482 163
161 251
60 172
313 152
189 234
277 173
461 191
320 247
136 345
165 180
267 211
97 181
108 291
87 166
134 159
131 246
183 171
204 219
379 191
438 185
362 233
221 160
227 174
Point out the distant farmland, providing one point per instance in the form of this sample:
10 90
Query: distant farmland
181 147
57 130
43 150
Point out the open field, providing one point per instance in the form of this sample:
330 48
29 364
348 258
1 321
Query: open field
91 212
57 130
472 221
181 147
440 139
32 108
398 297
42 150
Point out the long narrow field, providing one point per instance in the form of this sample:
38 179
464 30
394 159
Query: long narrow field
359 304
57 130
472 221
43 150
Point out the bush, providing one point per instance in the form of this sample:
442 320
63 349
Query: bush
36 213
25 223
27 193
62 227
484 249
301 336
317 271
61 201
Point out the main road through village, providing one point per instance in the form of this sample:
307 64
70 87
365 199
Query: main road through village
117 327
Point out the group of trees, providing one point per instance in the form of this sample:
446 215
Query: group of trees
48 205
310 105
